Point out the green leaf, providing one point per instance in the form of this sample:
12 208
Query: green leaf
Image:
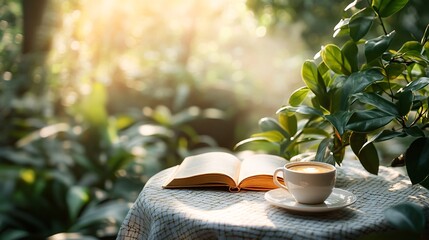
406 216
77 197
417 160
315 131
251 140
270 136
270 124
386 8
411 46
306 110
415 85
356 82
298 96
334 59
323 152
369 120
350 52
339 120
404 103
366 152
360 23
377 101
415 131
314 82
393 70
386 135
375 48
368 157
288 122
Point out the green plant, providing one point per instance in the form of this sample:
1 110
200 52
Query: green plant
359 94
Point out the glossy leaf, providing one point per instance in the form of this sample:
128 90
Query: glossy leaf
411 46
369 120
311 78
360 23
404 103
386 8
417 160
366 152
323 152
269 124
315 131
406 216
393 70
416 85
306 110
351 5
386 135
375 48
288 122
357 82
270 136
415 131
250 140
378 102
298 96
334 59
350 52
339 120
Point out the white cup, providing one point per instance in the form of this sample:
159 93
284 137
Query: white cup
307 182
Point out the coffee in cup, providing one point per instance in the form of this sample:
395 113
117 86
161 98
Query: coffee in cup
308 182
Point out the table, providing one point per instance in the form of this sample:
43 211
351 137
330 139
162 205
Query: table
218 214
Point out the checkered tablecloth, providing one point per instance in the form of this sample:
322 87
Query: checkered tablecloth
218 214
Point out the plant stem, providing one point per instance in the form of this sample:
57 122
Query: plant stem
381 22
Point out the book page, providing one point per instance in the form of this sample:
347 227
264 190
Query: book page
259 170
209 163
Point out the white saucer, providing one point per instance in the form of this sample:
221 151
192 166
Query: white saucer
338 199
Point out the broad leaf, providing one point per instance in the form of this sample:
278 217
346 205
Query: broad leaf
411 46
357 82
360 23
270 136
323 153
406 216
350 52
415 131
251 140
416 85
334 59
369 120
386 135
393 70
404 103
378 102
288 122
269 124
339 120
298 96
386 8
366 152
375 48
417 160
310 76
306 110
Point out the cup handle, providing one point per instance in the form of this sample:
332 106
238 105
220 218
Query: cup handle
276 181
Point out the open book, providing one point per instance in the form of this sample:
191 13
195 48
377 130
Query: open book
215 169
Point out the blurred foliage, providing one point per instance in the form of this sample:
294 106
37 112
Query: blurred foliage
317 20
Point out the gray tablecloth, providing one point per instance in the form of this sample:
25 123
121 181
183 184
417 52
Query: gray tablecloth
218 214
